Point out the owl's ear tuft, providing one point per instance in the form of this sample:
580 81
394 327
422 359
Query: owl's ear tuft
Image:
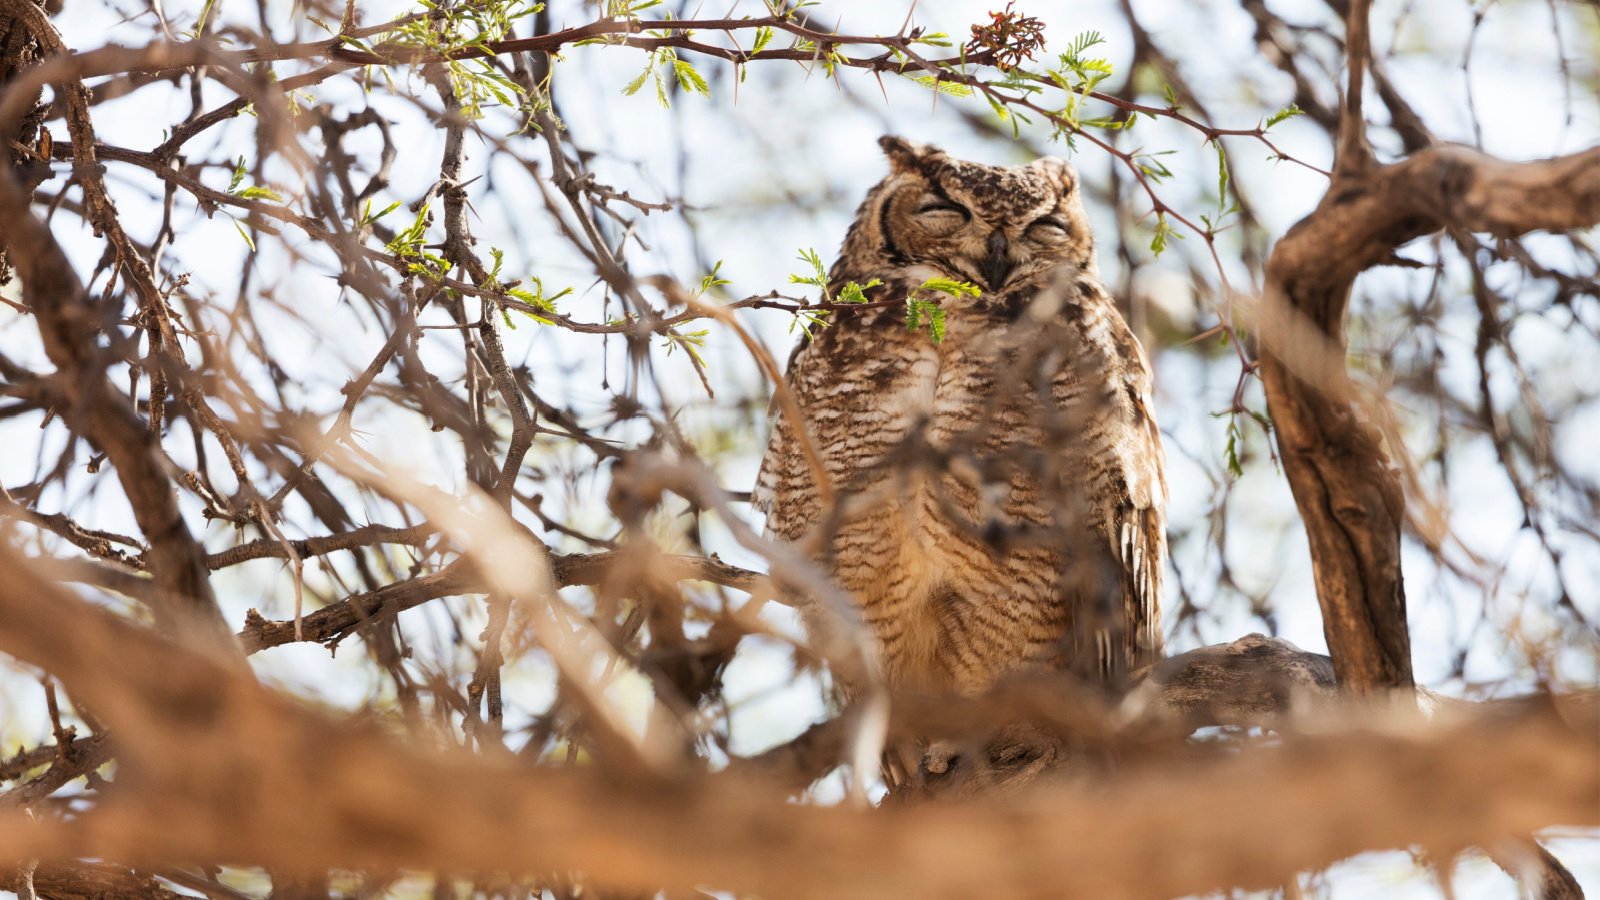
905 156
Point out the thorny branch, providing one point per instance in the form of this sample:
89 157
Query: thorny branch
229 470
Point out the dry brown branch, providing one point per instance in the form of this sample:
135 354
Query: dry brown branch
70 761
69 323
325 794
1252 681
1255 680
365 536
85 881
336 621
102 544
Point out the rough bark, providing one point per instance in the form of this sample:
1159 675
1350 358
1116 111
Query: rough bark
84 881
1348 494
71 325
1253 681
28 158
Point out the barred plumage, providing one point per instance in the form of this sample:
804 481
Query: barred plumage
1000 492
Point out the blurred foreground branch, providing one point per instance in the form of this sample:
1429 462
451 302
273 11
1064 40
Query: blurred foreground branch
198 741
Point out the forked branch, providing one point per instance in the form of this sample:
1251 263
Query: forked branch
1348 493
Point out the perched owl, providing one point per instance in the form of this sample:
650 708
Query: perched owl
999 491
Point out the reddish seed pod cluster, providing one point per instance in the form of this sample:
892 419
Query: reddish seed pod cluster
1007 40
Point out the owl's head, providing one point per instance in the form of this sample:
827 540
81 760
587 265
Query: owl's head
991 225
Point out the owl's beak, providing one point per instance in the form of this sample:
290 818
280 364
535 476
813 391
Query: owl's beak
996 267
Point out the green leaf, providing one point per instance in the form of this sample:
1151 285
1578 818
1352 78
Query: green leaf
1021 81
1231 451
691 341
819 276
1222 177
244 234
1158 243
857 293
1084 41
537 299
922 313
1153 168
238 176
367 218
259 193
952 88
501 87
634 85
1288 112
200 24
661 90
926 313
409 241
1107 123
950 286
763 38
713 280
689 79
1088 73
809 320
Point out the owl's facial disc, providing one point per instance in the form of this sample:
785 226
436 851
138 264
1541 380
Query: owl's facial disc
951 234
994 226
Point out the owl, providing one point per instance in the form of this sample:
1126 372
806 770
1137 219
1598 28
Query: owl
997 489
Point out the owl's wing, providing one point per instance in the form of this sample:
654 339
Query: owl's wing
783 474
1139 523
1122 452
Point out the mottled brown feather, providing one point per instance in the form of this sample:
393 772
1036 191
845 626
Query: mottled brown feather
1001 496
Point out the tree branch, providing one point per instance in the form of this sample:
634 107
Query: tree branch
1349 495
86 881
329 795
340 619
365 536
1354 154
69 325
